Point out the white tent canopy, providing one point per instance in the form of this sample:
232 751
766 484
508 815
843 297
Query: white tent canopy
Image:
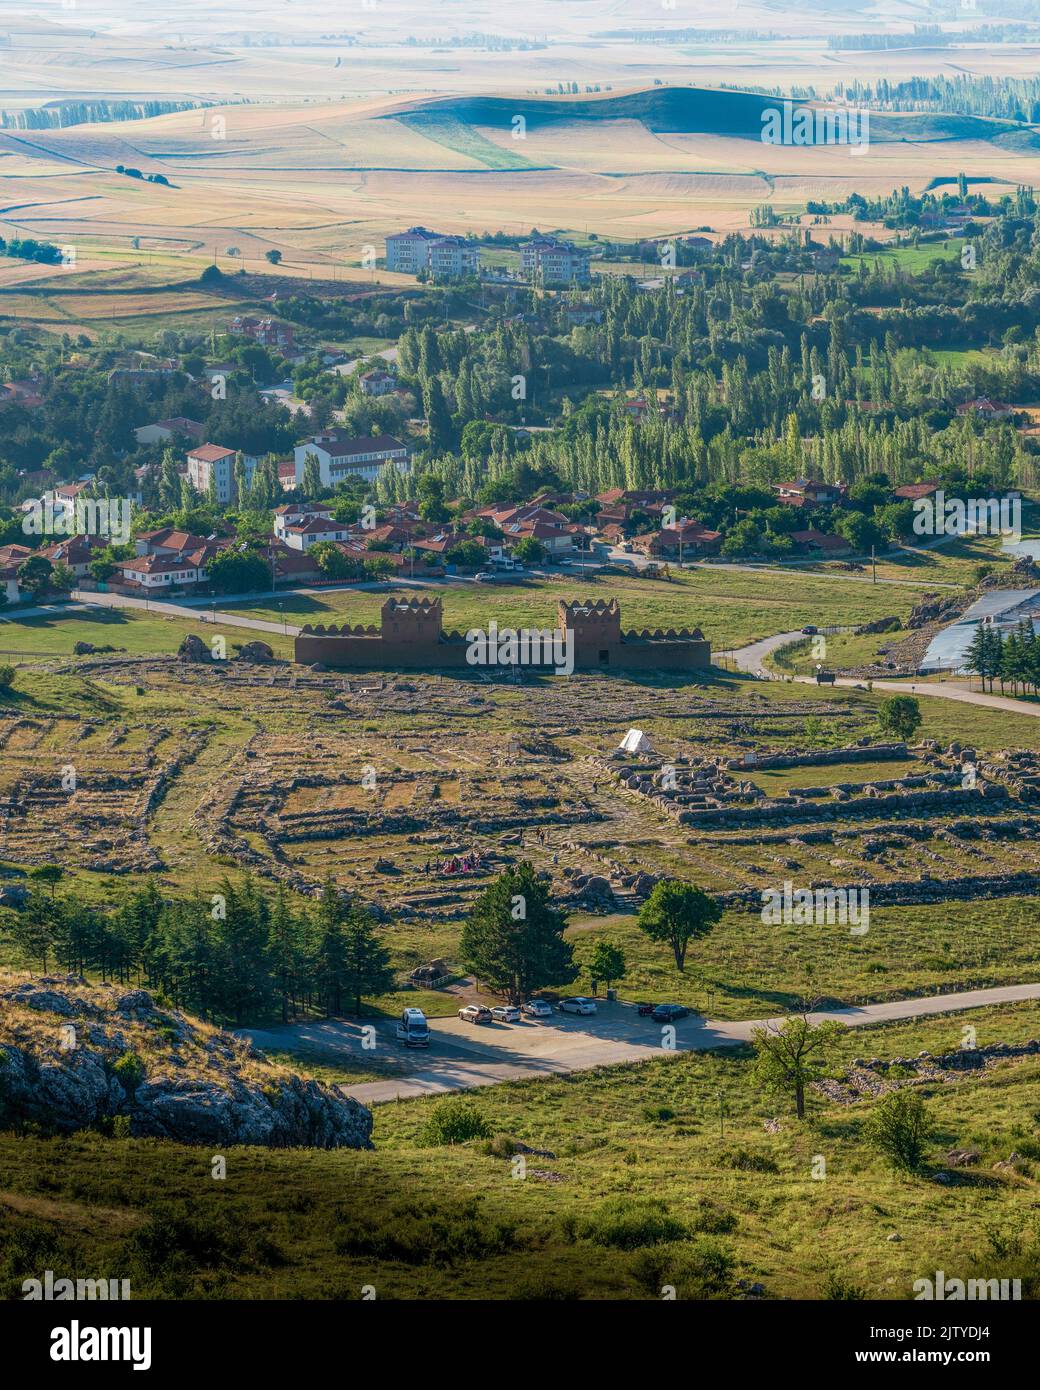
635 741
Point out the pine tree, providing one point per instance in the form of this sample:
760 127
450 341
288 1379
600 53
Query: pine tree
366 960
513 937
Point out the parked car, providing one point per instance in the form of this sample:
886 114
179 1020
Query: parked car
669 1013
538 1008
505 1013
412 1028
578 1005
475 1013
485 576
644 1010
809 630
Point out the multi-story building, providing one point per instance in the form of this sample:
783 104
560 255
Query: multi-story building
266 332
361 457
445 257
554 262
211 463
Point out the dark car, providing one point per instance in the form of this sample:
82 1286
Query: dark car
645 1010
809 630
669 1013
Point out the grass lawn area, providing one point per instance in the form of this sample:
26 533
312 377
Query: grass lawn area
776 781
731 607
747 970
912 259
843 649
458 1222
140 633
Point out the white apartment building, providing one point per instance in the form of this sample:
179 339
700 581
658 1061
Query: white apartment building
362 457
554 262
445 257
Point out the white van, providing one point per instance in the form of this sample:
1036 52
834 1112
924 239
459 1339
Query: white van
412 1028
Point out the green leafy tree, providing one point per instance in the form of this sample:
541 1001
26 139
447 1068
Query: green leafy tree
900 716
513 937
677 913
34 574
790 1057
607 962
51 874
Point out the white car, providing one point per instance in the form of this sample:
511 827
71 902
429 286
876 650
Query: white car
505 1013
578 1005
538 1008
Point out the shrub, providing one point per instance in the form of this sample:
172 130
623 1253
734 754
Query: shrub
839 1289
712 1220
130 1071
698 1271
420 1233
627 1223
7 675
898 1130
500 1146
747 1162
176 1242
454 1122
657 1114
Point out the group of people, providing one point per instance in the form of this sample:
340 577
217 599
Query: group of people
460 864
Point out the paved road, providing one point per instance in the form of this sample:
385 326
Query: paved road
196 612
752 657
463 1056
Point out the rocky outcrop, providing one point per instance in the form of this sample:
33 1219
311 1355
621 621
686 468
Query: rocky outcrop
75 1056
193 649
256 653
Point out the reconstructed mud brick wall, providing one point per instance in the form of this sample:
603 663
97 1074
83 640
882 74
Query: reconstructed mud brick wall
411 635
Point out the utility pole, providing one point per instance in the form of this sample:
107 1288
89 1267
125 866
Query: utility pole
873 564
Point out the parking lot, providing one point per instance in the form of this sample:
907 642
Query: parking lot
464 1055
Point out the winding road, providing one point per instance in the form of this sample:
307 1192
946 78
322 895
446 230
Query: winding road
752 657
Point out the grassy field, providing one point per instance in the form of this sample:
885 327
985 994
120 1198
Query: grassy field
912 259
458 1222
731 607
138 632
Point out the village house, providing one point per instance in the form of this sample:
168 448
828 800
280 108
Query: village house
76 552
266 332
166 571
11 556
167 541
342 457
807 492
687 537
985 408
293 513
913 492
377 383
820 542
301 535
162 431
579 315
23 393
